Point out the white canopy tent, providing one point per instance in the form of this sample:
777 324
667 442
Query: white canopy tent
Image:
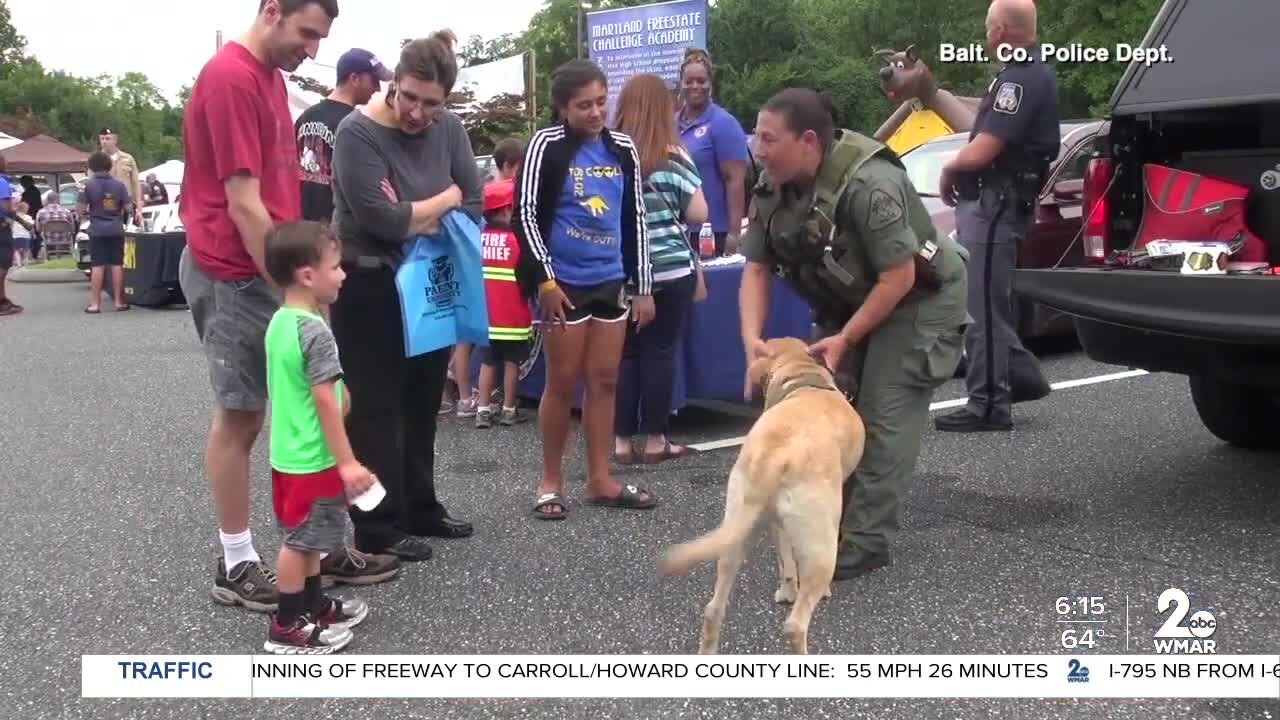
8 141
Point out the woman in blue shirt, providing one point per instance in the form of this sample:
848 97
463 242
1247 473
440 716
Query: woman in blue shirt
580 220
719 148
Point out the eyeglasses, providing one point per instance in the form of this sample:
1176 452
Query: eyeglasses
427 105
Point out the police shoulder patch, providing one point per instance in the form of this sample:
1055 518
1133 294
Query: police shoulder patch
1008 98
883 209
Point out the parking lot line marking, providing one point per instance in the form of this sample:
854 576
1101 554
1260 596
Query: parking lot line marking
943 405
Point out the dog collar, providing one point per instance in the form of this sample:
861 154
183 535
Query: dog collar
776 394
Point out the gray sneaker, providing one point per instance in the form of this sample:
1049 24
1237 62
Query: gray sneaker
512 416
467 408
249 584
484 418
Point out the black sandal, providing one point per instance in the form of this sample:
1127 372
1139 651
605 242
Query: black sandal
631 498
546 499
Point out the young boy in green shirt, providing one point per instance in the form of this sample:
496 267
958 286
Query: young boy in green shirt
313 470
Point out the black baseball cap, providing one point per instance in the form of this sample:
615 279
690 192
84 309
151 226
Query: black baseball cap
357 60
107 131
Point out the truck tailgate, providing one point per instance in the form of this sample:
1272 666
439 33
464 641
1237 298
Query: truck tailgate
1224 308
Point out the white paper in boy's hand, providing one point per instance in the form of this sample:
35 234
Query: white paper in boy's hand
370 498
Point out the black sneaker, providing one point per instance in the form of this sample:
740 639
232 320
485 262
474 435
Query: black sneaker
964 421
352 567
249 584
408 548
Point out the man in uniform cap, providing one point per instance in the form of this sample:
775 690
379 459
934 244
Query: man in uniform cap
123 167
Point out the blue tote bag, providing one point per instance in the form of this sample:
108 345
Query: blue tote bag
441 286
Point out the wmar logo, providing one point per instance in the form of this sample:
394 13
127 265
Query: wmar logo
1077 672
595 205
1173 636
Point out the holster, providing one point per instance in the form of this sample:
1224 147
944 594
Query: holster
968 186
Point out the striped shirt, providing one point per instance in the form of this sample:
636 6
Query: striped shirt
667 194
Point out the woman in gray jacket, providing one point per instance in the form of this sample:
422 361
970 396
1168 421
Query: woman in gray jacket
400 164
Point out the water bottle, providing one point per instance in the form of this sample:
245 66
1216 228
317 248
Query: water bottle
706 242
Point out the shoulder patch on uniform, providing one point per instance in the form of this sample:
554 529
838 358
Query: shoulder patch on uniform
1008 98
883 210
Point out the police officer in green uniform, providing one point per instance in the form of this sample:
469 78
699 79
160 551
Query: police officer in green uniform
835 215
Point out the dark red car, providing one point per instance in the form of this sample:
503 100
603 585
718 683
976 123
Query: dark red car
1054 241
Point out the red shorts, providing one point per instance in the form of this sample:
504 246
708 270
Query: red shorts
293 495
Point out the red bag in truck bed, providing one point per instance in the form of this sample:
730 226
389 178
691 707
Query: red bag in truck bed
1189 207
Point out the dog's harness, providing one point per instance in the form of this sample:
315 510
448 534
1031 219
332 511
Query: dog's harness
812 379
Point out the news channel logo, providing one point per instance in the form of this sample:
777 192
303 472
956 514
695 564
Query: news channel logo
1175 637
1077 672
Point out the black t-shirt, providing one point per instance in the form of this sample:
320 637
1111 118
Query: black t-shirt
35 203
157 194
315 131
1021 108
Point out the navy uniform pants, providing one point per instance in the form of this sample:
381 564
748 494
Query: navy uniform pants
990 228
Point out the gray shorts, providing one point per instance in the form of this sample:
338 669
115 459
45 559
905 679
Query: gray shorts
324 530
231 321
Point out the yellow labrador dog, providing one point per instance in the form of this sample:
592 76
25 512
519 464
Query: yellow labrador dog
791 467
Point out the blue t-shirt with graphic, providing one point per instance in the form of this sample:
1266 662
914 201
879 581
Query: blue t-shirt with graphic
586 235
107 198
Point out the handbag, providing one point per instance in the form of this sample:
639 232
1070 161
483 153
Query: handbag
1180 205
441 288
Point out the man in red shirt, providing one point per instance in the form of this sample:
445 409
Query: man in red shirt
241 180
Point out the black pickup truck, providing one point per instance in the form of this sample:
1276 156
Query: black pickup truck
1213 111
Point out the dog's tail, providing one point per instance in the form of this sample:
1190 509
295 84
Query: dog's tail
735 530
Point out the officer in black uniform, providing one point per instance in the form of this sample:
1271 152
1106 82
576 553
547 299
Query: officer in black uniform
994 183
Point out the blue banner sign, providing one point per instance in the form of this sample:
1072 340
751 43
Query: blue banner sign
645 39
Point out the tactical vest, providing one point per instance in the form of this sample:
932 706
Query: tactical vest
808 247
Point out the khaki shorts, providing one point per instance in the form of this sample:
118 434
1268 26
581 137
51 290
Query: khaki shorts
231 321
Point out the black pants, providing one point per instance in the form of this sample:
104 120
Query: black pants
394 401
646 377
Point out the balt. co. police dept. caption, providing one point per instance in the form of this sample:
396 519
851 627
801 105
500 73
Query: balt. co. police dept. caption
1072 53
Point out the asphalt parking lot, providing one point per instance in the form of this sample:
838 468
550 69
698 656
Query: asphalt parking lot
1109 489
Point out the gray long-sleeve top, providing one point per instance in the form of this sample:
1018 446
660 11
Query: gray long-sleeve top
373 229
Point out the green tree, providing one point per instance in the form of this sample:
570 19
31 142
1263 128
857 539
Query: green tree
478 51
34 100
1085 88
13 47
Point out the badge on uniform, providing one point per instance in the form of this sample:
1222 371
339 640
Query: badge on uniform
883 210
1008 98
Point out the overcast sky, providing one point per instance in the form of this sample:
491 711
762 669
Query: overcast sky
170 40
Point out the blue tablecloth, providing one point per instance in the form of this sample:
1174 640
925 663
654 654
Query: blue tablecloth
711 363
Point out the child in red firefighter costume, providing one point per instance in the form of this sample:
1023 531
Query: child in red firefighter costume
510 319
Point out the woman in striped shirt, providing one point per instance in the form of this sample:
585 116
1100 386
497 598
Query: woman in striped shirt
672 197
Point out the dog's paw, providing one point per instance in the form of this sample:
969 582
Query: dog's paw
786 594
